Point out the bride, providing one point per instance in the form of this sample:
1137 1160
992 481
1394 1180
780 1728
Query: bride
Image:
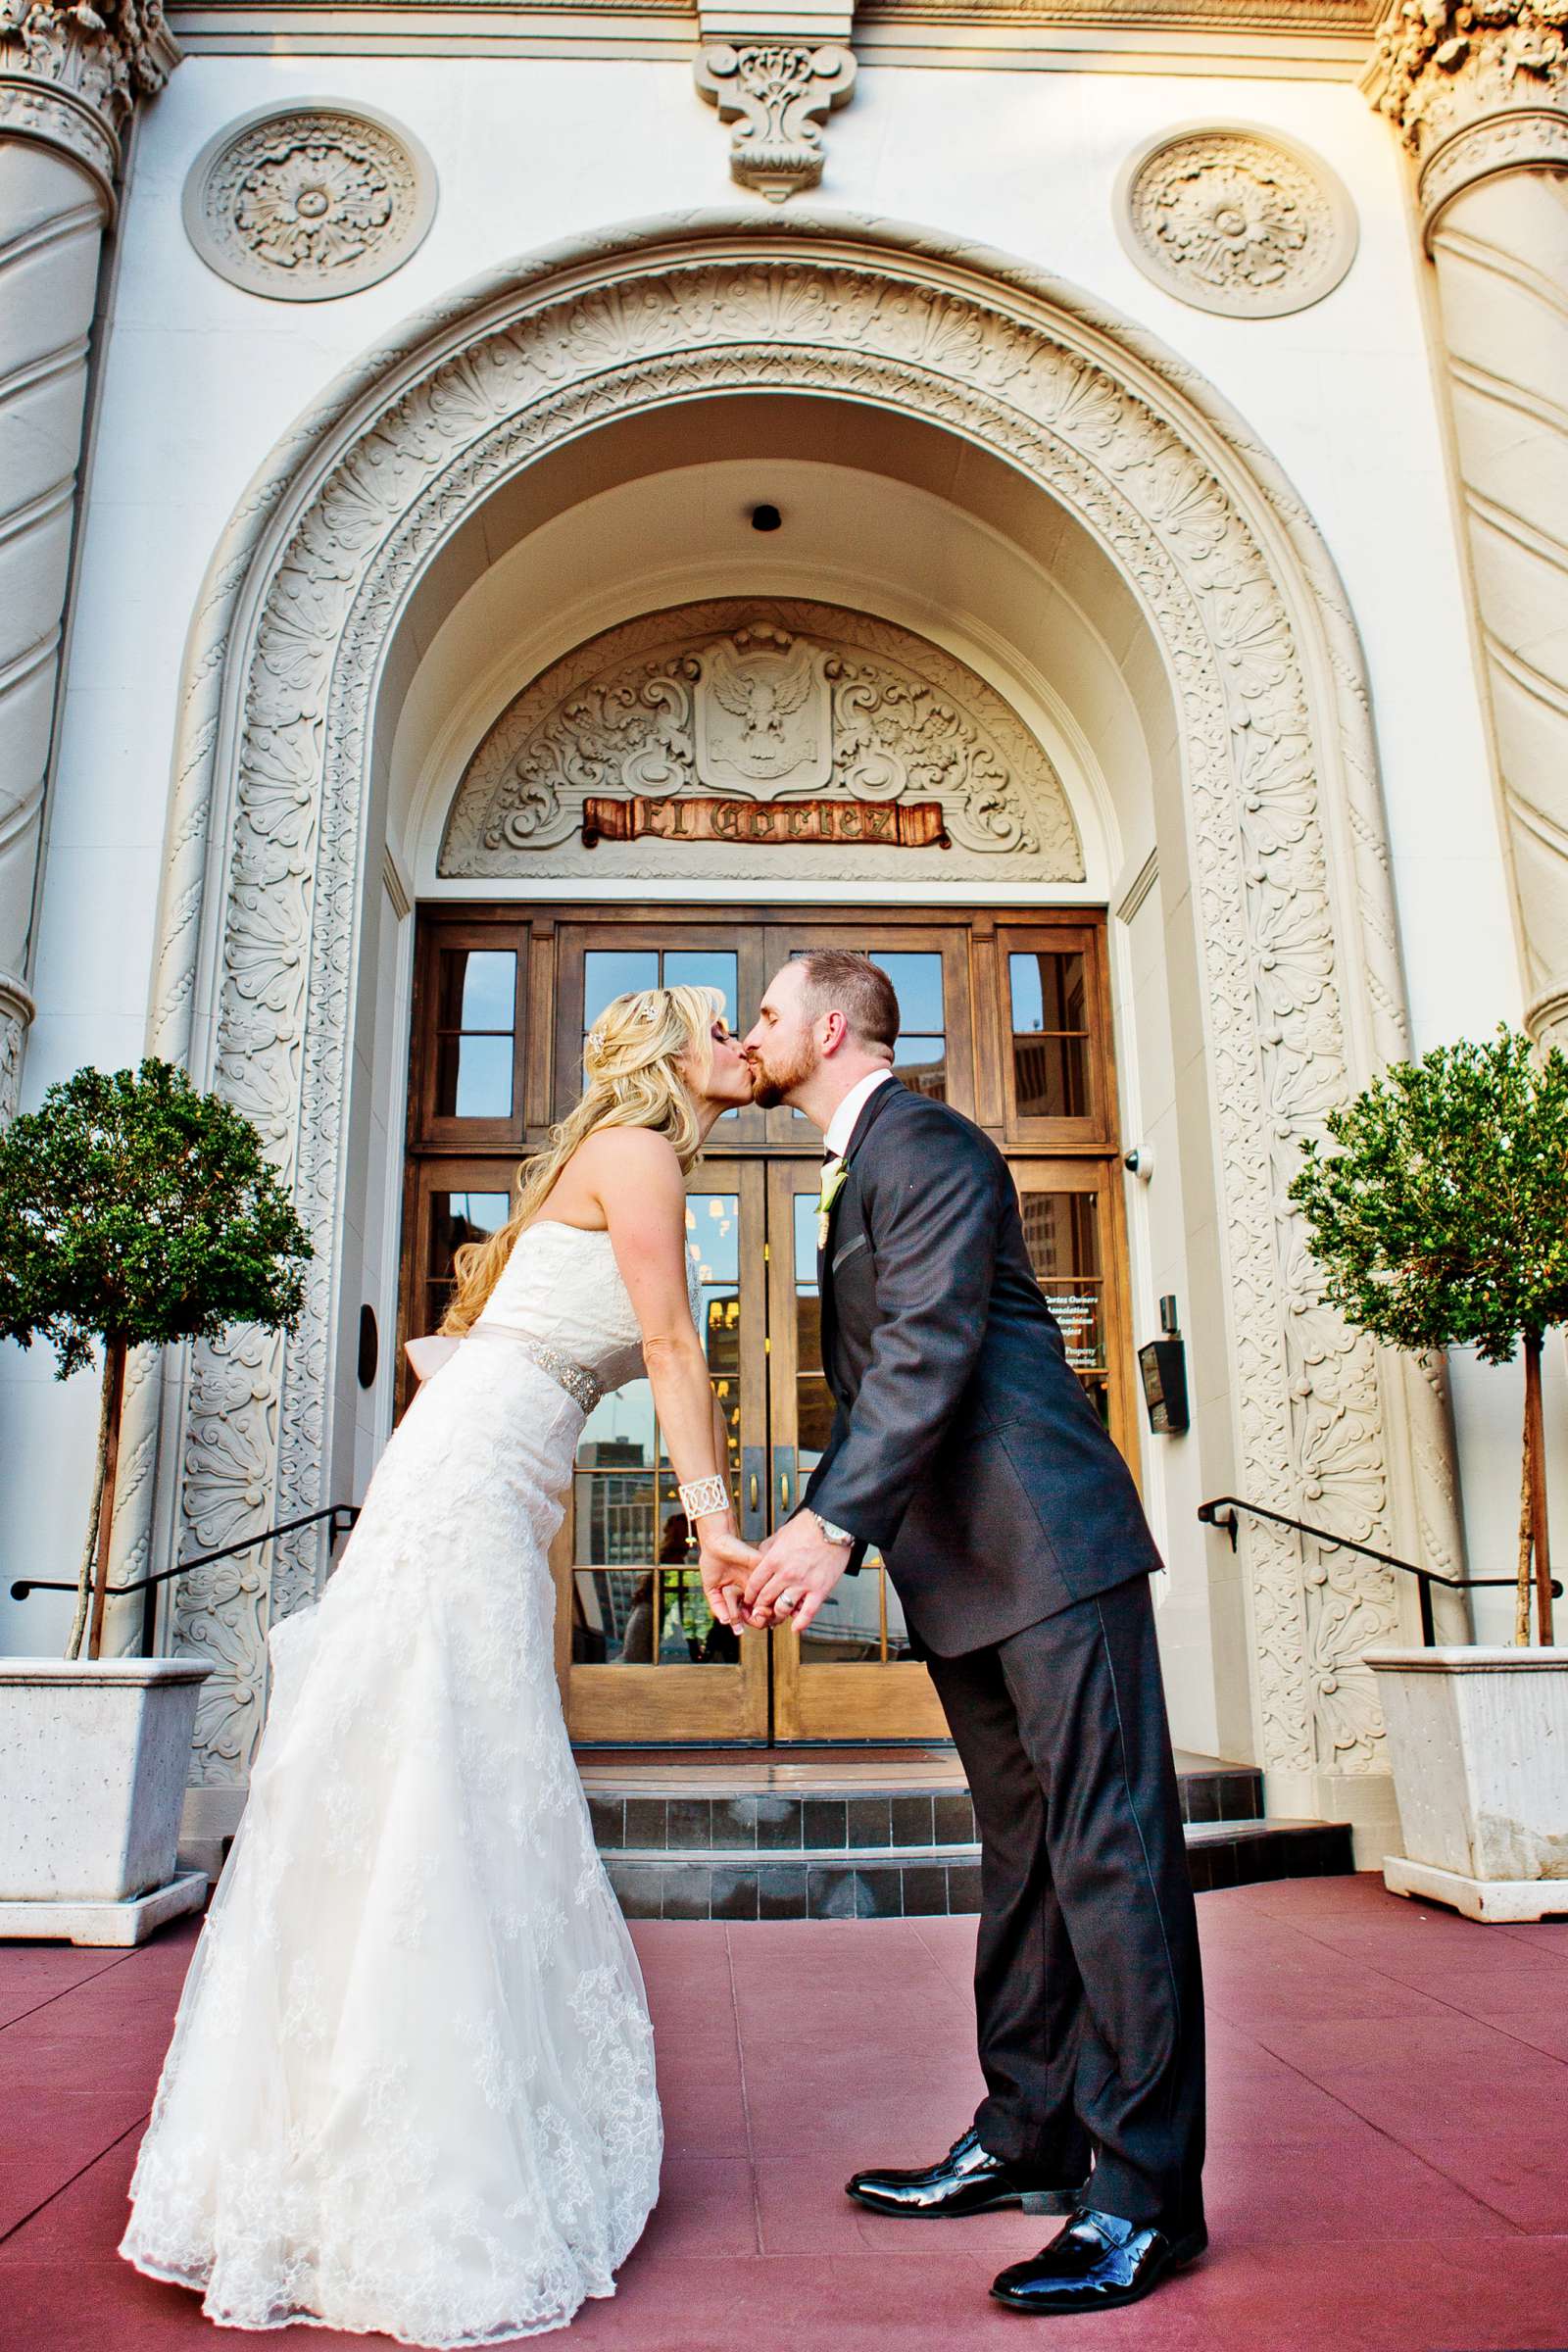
411 2086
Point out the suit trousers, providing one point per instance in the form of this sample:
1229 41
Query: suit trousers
1087 1987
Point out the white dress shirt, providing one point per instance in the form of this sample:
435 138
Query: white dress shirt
841 1126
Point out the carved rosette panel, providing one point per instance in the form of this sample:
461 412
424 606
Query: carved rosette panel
302 203
669 705
1054 391
1237 220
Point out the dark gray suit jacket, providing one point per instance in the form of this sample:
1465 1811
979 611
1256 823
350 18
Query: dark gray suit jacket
963 1444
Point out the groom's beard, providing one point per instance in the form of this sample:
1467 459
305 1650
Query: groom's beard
773 1082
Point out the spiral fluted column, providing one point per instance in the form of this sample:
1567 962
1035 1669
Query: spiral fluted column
69 82
1480 93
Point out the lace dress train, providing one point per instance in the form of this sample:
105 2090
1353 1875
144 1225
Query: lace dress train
411 2086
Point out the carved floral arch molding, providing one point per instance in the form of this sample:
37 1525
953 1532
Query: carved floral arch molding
1296 946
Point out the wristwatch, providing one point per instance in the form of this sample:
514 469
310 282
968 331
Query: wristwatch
830 1533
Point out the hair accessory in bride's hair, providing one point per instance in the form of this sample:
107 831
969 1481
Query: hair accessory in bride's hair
638 1005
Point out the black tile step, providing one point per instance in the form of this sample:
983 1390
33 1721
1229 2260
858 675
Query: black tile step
922 1882
852 1816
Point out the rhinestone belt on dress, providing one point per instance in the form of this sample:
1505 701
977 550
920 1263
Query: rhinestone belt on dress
577 1381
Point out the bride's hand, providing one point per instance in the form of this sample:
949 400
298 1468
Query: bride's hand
725 1563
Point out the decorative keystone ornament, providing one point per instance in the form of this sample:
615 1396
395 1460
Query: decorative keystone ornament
777 94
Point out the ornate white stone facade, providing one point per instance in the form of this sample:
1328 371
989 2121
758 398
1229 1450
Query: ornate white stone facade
1142 620
992 352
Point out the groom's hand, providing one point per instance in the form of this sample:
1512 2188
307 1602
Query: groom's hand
798 1560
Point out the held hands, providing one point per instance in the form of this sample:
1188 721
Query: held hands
724 1564
796 1570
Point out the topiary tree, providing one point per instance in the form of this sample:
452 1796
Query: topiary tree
1442 1221
137 1211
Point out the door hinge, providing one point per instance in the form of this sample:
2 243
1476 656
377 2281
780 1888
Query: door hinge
767 1255
768 1346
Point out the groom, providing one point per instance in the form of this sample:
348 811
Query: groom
963 1447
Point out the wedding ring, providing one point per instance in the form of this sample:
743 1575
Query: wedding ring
785 1603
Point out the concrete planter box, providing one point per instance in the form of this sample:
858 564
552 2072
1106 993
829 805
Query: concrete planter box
1477 1739
93 1763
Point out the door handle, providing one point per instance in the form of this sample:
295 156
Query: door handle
786 1473
753 1508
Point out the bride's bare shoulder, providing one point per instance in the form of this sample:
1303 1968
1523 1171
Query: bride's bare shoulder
628 1155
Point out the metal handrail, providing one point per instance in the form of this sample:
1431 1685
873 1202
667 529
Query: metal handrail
341 1515
1210 1514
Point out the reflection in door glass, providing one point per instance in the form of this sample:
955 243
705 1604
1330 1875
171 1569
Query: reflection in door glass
476 990
1049 1035
489 987
637 1596
861 1623
917 985
457 1218
1061 1231
611 974
685 968
920 1057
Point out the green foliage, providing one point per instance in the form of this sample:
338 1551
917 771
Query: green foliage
133 1207
1443 1218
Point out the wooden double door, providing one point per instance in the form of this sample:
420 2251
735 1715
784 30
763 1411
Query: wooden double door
1003 1015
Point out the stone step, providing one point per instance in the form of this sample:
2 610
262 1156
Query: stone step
921 1880
632 1818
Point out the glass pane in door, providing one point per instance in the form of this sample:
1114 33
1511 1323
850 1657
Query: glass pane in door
686 967
455 1218
920 1057
477 991
1049 1035
607 973
1061 1230
638 1598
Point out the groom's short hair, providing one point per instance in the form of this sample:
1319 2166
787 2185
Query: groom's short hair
840 980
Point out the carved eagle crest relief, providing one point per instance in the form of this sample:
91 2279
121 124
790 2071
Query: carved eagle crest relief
763 711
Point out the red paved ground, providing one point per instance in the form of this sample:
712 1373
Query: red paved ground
1388 2135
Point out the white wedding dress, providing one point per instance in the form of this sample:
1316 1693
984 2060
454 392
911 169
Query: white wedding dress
411 2086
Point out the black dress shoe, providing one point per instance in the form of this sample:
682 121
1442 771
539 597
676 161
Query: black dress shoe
1098 2263
967 2180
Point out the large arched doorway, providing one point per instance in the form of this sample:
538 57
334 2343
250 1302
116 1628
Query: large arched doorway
761 744
1052 424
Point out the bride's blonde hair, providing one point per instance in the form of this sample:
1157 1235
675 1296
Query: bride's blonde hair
632 1060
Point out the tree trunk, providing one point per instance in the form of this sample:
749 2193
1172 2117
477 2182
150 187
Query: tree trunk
1521 1604
1536 1459
114 1399
90 1549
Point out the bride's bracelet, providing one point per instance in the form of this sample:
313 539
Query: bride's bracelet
704 1496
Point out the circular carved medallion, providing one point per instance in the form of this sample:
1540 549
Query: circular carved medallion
1236 220
309 201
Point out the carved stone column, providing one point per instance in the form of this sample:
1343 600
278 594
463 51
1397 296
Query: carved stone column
1480 93
70 79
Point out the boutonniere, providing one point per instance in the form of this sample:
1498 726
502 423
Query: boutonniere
832 1186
